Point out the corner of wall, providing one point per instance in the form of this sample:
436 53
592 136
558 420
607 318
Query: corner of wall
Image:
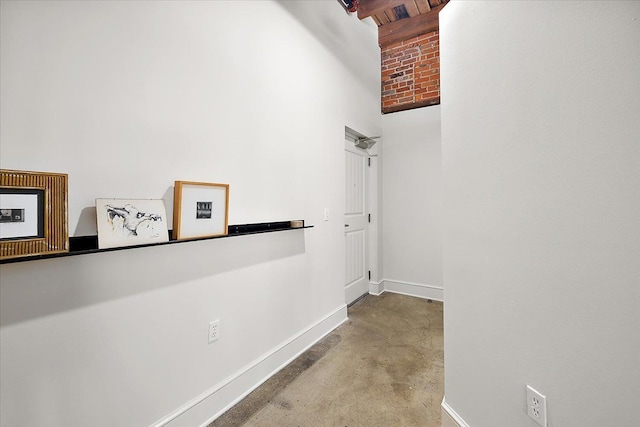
417 290
376 288
450 418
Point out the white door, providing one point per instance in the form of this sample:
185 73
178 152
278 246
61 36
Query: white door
356 222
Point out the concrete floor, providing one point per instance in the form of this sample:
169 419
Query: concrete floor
383 367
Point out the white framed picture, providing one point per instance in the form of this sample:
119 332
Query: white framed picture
200 209
21 214
131 222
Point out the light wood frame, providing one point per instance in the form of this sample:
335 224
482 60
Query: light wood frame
55 236
194 218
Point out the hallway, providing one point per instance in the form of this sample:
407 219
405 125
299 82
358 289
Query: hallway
383 367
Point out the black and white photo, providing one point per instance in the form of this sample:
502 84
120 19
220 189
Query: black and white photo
203 210
11 215
21 214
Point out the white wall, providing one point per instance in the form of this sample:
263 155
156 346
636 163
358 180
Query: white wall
541 173
127 97
412 202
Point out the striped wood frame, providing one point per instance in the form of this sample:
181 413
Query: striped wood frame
56 232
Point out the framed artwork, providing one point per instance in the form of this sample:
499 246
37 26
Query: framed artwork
33 213
127 222
200 209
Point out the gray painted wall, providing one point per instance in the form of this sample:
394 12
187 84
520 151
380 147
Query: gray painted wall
412 195
541 172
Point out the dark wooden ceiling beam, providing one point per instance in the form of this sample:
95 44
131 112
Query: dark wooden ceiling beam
423 6
367 8
404 29
382 17
411 106
412 8
390 15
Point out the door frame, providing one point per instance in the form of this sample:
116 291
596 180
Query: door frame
374 201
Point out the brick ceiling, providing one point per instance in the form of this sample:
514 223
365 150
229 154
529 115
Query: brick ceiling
408 36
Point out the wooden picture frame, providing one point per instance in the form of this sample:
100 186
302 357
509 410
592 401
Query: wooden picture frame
33 213
200 209
131 222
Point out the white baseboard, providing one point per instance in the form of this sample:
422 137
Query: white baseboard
222 396
412 289
376 288
450 418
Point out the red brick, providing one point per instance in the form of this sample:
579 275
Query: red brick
415 67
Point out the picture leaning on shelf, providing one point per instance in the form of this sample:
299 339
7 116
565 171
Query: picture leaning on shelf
130 222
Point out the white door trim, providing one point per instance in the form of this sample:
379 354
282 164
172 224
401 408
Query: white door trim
375 200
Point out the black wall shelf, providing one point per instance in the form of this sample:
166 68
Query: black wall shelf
89 244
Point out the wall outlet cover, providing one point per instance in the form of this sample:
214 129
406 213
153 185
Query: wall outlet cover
537 406
214 330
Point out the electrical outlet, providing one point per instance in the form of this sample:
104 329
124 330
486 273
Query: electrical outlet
537 406
326 214
214 330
